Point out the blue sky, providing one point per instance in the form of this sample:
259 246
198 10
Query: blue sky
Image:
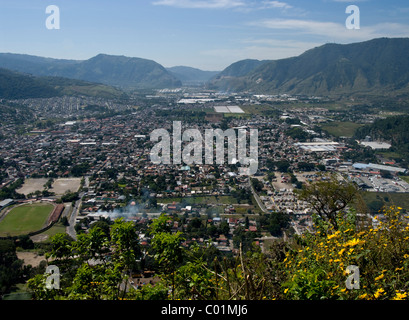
207 34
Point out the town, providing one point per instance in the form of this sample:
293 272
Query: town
101 150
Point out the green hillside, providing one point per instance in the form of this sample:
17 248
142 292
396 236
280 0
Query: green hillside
118 71
14 85
379 67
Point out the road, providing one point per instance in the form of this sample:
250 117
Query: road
74 213
259 202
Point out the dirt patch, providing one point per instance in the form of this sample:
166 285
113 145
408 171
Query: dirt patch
32 185
39 237
60 186
31 258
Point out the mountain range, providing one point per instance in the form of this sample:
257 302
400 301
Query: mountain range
15 85
376 67
119 71
192 76
379 67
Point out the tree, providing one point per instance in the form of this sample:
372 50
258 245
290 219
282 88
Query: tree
275 223
328 197
160 225
125 241
10 266
168 253
282 165
95 266
257 184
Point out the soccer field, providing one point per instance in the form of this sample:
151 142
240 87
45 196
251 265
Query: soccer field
25 218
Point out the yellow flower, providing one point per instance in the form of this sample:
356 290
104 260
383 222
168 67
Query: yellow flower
378 293
340 252
352 242
363 296
336 287
286 290
400 296
332 236
380 277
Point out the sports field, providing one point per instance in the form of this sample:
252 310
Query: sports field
25 218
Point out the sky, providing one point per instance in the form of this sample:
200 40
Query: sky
205 34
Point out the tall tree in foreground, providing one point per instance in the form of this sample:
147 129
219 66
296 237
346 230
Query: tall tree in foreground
328 197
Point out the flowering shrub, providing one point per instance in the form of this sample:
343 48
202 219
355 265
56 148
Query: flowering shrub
317 268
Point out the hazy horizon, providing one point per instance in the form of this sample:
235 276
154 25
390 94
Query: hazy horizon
205 34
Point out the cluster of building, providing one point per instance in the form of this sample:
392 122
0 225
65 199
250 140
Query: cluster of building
113 152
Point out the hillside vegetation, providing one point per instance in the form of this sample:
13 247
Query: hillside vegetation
14 85
118 71
394 129
376 67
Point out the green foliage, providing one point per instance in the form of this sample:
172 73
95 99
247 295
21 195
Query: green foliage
377 68
10 266
18 86
298 133
70 196
93 267
257 184
317 269
312 266
10 190
328 197
275 223
394 129
169 253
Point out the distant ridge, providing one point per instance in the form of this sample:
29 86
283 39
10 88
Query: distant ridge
376 67
119 71
192 76
15 85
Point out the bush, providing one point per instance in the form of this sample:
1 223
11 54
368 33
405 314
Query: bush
317 269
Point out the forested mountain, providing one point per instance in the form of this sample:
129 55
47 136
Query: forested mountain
14 85
379 66
192 76
119 71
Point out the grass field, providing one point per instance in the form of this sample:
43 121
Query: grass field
389 199
339 129
25 218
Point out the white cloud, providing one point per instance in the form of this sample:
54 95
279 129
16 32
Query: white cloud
330 31
224 4
275 4
201 4
261 49
352 1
